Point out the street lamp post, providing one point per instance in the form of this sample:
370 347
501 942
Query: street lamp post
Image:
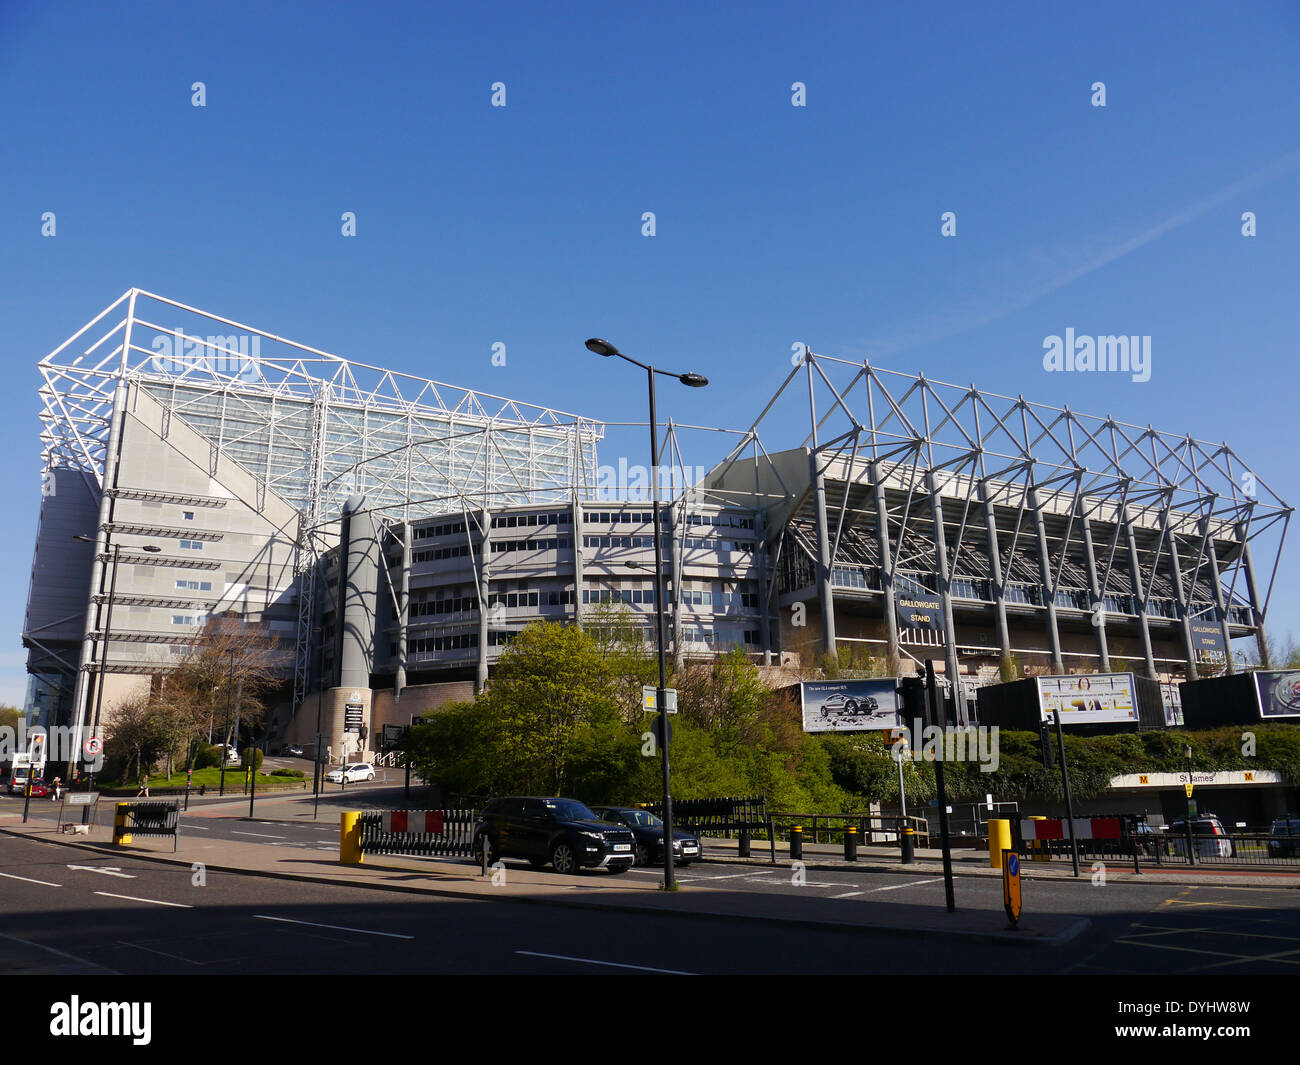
225 738
692 380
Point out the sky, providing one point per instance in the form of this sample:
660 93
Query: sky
773 223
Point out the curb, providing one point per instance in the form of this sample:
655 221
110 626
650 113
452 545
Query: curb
1007 938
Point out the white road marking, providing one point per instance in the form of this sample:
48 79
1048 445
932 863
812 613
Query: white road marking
197 828
59 953
29 880
910 883
259 835
848 894
107 870
336 927
613 964
733 876
156 902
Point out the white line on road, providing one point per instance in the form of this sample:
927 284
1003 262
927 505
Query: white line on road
29 880
59 953
336 927
107 870
910 883
613 964
259 835
197 828
848 894
732 876
156 902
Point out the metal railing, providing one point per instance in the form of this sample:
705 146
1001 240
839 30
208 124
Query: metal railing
456 840
872 829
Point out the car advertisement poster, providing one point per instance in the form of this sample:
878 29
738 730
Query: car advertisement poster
1089 699
1279 693
849 705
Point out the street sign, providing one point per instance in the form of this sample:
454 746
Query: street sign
650 698
1188 788
1011 886
352 714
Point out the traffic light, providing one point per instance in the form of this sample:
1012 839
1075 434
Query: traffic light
1045 739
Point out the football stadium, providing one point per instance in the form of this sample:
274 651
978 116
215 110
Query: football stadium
393 533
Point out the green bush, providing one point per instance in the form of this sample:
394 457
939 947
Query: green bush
208 757
250 756
297 774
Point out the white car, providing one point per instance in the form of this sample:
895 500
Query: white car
353 773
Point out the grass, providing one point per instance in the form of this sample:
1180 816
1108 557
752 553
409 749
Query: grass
212 779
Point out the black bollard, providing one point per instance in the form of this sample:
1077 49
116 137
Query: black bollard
796 842
851 843
742 847
909 845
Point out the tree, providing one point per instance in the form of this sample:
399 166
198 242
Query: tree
230 663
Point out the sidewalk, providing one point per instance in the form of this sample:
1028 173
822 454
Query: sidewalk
628 894
297 809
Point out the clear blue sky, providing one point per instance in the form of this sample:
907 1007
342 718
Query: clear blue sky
774 224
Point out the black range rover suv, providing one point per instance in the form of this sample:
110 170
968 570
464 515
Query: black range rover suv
561 832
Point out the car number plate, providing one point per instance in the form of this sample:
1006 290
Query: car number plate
622 846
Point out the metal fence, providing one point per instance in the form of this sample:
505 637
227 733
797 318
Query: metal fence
1141 844
456 840
147 819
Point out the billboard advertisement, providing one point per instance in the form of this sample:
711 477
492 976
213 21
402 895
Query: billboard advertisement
1089 699
1207 637
1279 693
849 705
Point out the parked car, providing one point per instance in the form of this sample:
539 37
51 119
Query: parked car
847 704
648 829
232 756
561 832
353 773
1146 838
1211 839
40 789
289 750
1284 838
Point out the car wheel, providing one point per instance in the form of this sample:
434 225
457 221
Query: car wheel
642 854
851 706
563 858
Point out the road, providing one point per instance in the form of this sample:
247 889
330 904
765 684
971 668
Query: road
64 909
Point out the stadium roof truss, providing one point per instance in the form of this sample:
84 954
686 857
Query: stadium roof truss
940 447
312 427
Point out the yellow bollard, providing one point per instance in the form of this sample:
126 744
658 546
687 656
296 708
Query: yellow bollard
999 841
350 838
1040 845
120 835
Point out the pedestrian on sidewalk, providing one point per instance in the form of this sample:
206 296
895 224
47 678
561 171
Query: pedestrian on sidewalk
144 788
57 793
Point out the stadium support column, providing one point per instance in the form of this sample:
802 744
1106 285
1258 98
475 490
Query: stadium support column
679 651
1045 576
945 597
1094 590
995 570
403 611
824 559
761 573
360 559
575 509
99 572
1216 586
1139 595
886 566
1256 609
484 593
1184 608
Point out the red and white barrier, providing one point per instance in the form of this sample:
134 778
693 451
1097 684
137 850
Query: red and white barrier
414 822
1058 828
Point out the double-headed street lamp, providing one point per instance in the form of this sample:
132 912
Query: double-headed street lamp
103 644
693 380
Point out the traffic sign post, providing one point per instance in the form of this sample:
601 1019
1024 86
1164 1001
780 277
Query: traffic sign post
650 699
1011 886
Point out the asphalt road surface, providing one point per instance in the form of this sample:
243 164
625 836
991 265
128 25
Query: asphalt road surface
68 910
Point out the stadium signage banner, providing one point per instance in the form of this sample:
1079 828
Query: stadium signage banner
849 705
1089 699
1207 637
923 611
1279 693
